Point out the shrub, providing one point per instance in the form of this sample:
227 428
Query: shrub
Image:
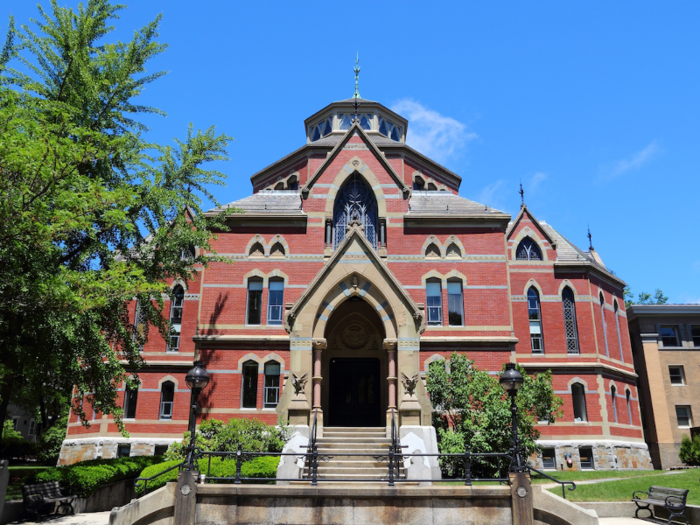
260 467
215 435
85 477
50 440
690 450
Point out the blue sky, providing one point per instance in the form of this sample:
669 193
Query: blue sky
595 106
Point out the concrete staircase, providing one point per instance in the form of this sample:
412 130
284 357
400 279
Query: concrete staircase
367 441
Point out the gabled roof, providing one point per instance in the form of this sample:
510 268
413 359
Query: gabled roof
446 203
523 211
266 202
355 234
355 129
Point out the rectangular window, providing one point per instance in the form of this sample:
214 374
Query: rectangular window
167 396
695 333
586 455
32 427
434 299
15 422
130 398
123 451
669 336
685 419
250 385
677 375
275 306
548 459
160 450
272 385
455 303
254 302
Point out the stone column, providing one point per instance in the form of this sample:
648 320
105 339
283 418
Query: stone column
390 346
319 345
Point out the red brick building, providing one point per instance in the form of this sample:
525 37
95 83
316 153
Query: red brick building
356 260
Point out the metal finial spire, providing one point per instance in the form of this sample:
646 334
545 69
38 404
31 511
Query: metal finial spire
590 239
522 193
357 77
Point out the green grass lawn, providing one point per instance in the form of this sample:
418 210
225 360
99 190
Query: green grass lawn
581 475
18 475
622 489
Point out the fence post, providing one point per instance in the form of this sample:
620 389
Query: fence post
239 463
467 466
185 499
521 498
314 465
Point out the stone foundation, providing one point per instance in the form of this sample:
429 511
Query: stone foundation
77 450
607 455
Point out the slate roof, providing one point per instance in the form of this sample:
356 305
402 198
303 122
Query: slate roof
273 202
444 202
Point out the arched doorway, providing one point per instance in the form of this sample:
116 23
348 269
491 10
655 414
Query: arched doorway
355 394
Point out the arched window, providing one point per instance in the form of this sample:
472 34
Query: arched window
569 306
355 202
628 395
455 303
528 250
167 396
140 326
578 395
605 326
535 316
453 252
275 301
272 384
249 396
613 394
432 252
189 253
433 293
130 398
254 308
277 251
619 335
256 250
176 318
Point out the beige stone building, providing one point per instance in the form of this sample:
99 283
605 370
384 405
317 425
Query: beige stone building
666 351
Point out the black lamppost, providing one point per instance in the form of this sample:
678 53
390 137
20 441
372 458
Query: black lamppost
197 379
511 380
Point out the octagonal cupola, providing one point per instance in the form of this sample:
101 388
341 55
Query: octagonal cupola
335 119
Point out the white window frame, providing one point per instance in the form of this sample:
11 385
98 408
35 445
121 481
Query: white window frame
675 332
437 310
689 415
682 375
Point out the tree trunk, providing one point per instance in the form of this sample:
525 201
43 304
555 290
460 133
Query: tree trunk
5 394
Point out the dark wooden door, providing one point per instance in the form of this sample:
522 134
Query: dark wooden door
354 393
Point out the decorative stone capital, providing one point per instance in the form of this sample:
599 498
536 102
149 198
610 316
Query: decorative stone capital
319 344
390 345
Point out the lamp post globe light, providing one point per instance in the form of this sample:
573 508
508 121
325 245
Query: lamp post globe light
197 379
511 380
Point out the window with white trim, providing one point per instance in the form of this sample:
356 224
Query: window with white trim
249 397
433 292
677 374
167 398
272 384
578 397
176 318
455 303
534 314
684 416
275 301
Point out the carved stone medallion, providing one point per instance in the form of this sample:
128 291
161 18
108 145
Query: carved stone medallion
354 335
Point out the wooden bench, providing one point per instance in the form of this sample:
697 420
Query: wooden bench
41 498
671 499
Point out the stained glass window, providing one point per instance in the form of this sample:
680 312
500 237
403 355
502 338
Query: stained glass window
345 122
323 129
528 250
388 129
365 122
355 202
570 326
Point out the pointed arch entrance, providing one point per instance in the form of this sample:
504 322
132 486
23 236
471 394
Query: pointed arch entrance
354 363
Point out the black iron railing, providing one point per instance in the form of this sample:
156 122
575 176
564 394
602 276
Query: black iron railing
562 483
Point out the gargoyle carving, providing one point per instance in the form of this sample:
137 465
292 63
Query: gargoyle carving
299 383
410 383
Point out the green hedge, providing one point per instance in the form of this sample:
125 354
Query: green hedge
260 467
85 477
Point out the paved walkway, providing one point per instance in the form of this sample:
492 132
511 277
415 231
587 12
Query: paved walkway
91 518
623 521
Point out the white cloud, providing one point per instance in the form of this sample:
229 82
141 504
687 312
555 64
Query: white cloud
537 179
435 135
491 194
633 162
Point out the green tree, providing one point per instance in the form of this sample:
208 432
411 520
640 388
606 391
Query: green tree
472 408
644 298
92 215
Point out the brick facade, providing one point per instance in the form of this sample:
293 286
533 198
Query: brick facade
425 233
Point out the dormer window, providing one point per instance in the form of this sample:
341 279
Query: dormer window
389 129
322 129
